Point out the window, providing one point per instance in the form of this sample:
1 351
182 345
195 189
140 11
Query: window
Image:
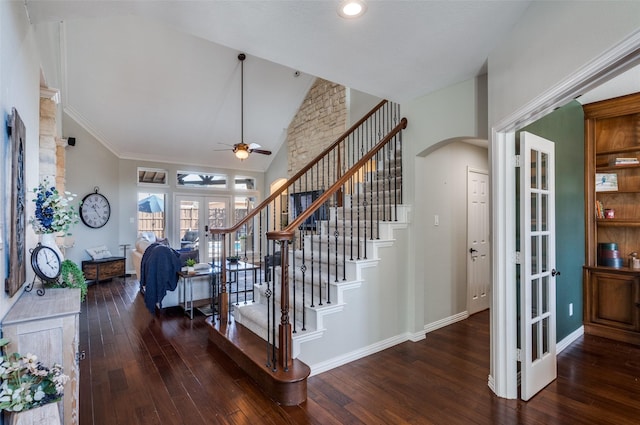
244 183
151 218
152 177
197 179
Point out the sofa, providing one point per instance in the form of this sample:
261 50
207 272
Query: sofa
201 284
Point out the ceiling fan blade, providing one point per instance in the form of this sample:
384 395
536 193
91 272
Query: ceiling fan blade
254 146
262 151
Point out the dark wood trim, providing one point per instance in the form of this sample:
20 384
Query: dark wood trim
249 351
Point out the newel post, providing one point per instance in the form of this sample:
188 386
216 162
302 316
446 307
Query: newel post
285 350
223 296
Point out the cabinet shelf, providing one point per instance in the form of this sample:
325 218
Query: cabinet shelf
619 222
616 192
616 167
612 295
634 148
621 270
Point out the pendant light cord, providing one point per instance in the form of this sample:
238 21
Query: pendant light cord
241 57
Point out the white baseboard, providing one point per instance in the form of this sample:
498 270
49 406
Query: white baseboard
383 345
446 321
569 339
357 354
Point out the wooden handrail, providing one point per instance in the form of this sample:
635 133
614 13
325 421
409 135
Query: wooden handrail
292 180
287 234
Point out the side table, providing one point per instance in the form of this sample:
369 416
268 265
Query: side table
187 289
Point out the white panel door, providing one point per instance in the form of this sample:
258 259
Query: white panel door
538 260
478 246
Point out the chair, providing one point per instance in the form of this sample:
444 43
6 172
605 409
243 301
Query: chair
190 240
269 262
192 254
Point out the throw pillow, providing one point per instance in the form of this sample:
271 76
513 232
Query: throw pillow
99 252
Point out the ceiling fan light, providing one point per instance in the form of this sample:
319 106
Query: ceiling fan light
241 153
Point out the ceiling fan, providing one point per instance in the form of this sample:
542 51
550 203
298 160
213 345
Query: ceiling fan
242 149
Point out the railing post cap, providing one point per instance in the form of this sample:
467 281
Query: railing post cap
280 235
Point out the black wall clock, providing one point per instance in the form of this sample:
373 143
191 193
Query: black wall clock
95 210
45 263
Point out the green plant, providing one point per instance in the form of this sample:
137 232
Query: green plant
25 383
190 262
71 276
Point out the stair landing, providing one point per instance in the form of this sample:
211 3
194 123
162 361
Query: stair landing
248 351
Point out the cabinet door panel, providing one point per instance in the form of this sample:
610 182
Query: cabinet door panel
614 300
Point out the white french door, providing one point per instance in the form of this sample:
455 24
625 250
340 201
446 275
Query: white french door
538 261
196 215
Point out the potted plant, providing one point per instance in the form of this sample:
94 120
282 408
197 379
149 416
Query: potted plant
71 276
190 263
26 384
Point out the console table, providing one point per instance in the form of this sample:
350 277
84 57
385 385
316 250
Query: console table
104 269
48 326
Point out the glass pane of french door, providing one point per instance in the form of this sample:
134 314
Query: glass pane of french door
189 223
196 216
217 218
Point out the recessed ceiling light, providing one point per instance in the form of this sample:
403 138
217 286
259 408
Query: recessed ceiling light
352 8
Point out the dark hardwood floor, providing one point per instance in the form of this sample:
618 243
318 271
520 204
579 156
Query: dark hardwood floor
160 369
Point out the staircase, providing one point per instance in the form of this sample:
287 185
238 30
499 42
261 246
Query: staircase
325 287
326 249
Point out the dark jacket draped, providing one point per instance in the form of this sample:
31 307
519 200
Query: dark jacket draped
158 273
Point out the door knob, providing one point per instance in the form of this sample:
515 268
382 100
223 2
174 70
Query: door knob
555 272
472 250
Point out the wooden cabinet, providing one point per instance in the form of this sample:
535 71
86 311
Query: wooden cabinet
612 133
47 326
104 269
613 299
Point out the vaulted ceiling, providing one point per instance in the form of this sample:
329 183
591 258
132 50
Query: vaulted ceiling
160 80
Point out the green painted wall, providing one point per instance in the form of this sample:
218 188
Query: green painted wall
565 127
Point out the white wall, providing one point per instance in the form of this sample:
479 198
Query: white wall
453 112
19 88
359 104
442 176
90 164
278 167
551 42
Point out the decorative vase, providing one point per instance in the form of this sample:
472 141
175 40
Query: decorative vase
43 415
49 239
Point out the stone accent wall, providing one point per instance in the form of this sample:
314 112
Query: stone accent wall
52 148
321 119
48 139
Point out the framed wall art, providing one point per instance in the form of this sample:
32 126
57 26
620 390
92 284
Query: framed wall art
17 251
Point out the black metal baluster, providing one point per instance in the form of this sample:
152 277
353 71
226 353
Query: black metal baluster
351 202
